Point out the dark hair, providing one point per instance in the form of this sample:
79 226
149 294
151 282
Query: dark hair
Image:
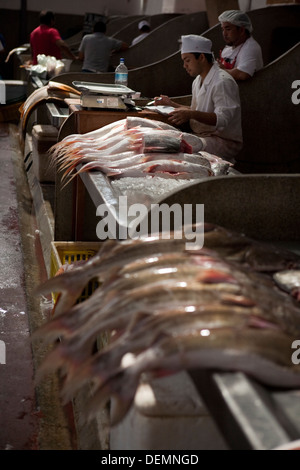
145 28
209 57
46 17
99 27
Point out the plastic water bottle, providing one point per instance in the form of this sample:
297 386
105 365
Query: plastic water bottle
121 74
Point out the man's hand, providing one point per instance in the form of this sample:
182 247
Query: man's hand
179 116
163 100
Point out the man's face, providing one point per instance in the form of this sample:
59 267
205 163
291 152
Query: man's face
191 64
231 33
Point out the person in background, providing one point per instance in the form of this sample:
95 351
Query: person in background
2 51
95 49
144 28
2 45
45 39
215 111
242 55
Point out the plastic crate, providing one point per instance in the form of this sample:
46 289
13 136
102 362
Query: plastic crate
70 252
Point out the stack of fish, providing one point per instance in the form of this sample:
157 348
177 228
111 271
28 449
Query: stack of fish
168 309
137 147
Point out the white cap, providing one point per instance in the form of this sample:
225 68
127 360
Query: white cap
236 17
195 43
143 23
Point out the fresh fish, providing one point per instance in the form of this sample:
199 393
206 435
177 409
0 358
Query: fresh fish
163 168
191 158
126 161
150 290
265 355
112 254
218 164
143 333
197 281
173 309
229 245
105 132
134 121
141 136
53 92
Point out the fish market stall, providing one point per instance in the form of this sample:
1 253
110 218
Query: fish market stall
271 417
213 311
201 347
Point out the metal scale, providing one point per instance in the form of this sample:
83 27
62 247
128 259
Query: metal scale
104 96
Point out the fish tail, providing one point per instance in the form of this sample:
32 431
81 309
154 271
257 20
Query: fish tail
121 388
70 284
50 331
56 359
99 368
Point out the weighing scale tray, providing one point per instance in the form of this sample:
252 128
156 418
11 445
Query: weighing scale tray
103 88
103 95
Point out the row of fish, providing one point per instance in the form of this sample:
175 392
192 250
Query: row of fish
136 147
220 306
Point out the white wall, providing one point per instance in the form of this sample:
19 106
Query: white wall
122 7
174 6
78 7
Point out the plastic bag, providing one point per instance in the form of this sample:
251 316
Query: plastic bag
47 66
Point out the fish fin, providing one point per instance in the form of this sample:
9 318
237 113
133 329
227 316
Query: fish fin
54 360
185 147
215 276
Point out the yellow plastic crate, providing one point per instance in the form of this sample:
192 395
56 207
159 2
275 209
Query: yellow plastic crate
70 252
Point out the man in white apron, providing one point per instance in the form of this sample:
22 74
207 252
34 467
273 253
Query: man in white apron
215 112
242 55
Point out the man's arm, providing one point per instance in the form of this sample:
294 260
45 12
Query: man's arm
124 46
164 100
238 74
183 114
64 48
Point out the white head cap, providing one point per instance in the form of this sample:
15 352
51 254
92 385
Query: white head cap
236 17
195 43
143 23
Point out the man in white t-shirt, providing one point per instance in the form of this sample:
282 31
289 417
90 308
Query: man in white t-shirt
242 55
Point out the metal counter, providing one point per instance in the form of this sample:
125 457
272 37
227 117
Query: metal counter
249 415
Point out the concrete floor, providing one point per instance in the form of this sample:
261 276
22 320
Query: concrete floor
31 415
